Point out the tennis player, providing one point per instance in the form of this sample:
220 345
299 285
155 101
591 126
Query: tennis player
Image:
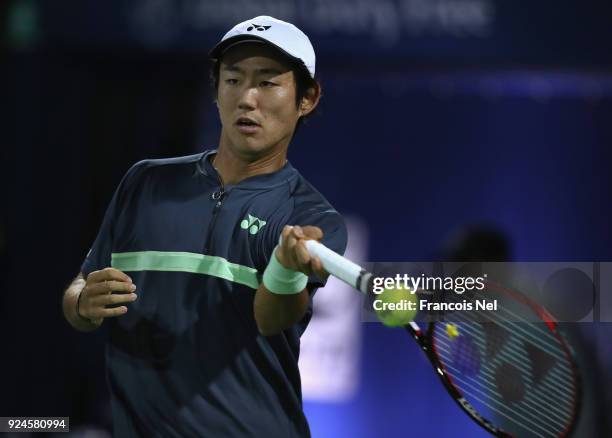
204 306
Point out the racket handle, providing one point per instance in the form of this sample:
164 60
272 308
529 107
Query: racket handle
340 267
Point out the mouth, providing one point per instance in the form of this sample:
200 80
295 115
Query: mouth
247 125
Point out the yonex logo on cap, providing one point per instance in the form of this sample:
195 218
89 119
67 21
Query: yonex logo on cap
252 223
285 36
257 27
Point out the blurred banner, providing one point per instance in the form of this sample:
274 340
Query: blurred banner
331 347
458 31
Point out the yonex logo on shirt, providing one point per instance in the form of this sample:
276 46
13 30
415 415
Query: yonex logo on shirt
252 223
257 27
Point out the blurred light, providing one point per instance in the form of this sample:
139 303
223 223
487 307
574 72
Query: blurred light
23 19
331 346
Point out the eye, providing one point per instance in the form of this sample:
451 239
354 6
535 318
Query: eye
267 84
231 81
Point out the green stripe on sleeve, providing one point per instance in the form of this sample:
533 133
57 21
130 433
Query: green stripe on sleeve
185 262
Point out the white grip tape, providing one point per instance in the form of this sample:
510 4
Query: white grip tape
337 265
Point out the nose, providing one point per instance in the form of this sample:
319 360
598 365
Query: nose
248 99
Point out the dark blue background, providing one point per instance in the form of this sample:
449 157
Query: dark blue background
419 137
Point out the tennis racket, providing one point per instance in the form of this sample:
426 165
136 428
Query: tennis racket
511 375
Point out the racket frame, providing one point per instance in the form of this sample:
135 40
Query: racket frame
359 278
425 340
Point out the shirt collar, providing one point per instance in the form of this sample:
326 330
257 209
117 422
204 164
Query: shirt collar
263 181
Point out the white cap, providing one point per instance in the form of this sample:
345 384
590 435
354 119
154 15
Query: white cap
282 35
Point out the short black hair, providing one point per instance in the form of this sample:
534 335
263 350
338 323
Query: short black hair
303 82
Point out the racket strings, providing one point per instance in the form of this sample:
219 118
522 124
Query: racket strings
505 322
526 409
556 384
521 419
560 414
512 353
511 369
528 421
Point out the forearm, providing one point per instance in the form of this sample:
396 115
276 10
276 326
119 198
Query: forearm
283 297
71 295
274 312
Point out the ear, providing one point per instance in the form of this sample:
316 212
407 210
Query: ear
310 100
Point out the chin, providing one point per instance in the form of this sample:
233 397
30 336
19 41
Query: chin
250 146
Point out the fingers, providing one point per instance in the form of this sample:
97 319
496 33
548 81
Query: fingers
290 242
110 313
318 268
287 230
293 252
108 274
286 249
302 254
108 280
305 232
94 306
108 286
111 299
311 232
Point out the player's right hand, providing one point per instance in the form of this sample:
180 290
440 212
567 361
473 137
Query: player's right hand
108 286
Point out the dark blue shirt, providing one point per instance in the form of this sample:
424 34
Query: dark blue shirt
187 358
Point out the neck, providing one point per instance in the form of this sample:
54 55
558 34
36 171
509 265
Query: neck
234 167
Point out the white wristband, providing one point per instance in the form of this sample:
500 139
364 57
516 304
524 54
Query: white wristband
280 280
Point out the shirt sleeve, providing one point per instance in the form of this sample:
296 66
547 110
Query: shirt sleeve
99 256
334 237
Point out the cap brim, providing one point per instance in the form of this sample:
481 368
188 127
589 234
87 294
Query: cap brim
224 45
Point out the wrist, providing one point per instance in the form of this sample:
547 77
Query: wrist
281 280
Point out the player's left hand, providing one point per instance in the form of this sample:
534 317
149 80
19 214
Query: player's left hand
292 252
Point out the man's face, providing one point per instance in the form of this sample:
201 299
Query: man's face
256 99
